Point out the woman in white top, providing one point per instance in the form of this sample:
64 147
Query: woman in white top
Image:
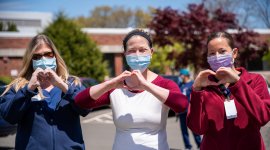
140 99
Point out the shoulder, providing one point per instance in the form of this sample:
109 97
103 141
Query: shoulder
250 77
74 80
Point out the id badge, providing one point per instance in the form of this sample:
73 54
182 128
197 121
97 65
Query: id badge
230 109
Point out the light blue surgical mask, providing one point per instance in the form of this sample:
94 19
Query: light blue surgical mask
44 63
138 62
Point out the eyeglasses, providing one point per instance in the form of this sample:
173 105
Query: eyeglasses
46 54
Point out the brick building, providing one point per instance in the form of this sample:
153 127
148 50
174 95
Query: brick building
109 40
13 46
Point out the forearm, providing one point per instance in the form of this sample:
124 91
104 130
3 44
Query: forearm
196 118
99 89
63 86
13 105
159 92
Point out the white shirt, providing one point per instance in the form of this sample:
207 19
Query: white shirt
140 120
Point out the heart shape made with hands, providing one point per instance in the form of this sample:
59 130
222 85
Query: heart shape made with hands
132 82
43 76
218 77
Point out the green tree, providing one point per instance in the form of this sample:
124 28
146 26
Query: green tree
142 18
115 17
12 27
81 54
163 59
267 57
9 27
192 28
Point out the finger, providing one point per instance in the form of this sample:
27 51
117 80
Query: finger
213 83
37 83
224 69
126 71
204 74
123 76
38 70
209 72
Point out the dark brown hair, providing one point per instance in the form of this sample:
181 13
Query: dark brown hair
138 32
225 35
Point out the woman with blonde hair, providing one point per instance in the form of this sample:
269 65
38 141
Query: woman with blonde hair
41 101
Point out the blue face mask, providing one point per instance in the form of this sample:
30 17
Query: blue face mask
44 63
138 62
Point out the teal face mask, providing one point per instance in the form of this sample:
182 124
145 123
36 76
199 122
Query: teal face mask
44 63
138 62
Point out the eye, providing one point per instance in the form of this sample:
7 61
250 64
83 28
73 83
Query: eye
36 56
49 54
131 51
143 50
223 51
211 53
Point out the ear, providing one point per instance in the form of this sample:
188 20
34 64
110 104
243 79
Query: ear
152 50
235 53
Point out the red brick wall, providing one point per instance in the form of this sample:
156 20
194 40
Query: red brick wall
103 39
14 42
118 63
8 64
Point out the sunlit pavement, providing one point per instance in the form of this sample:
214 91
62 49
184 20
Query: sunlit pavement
98 131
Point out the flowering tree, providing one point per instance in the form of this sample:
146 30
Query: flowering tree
192 29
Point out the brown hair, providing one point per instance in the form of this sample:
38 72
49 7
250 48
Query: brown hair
224 35
138 32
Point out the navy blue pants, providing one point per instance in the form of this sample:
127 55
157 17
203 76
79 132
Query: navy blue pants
185 135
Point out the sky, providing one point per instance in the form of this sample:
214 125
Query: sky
75 8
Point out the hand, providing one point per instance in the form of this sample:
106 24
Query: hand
52 77
136 81
226 75
202 80
118 82
55 80
37 77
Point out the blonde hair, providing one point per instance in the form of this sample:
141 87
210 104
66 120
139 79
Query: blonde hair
27 68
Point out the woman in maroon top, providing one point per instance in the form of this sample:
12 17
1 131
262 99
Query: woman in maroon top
228 105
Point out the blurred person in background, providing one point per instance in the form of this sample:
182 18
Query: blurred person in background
228 105
41 101
140 99
185 87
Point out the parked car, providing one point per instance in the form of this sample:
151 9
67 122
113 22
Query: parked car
174 78
5 128
87 82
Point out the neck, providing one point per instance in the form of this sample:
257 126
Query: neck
149 75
